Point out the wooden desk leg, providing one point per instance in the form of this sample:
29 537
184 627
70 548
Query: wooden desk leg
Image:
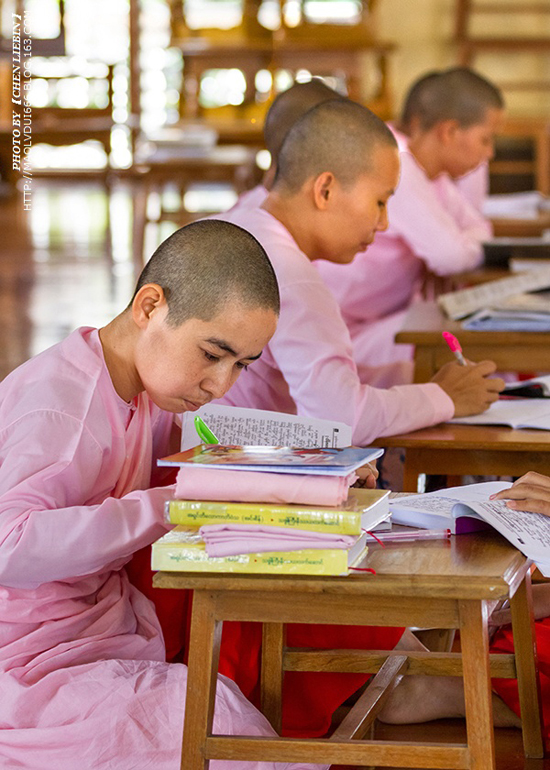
273 641
477 684
204 651
523 626
411 472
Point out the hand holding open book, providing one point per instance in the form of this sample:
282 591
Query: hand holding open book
475 506
529 493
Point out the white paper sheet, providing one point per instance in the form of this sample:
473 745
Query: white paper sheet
235 425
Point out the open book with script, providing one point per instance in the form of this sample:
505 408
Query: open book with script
526 312
515 413
468 508
459 304
237 425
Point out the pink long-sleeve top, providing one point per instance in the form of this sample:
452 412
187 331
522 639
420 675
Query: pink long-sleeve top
432 226
307 367
82 673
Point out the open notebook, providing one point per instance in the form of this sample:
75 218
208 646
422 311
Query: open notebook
514 413
468 508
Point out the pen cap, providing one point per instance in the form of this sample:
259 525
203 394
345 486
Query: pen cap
204 432
452 342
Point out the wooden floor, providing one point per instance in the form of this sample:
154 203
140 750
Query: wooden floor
509 750
56 269
57 273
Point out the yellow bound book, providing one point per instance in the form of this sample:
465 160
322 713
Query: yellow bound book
364 509
180 551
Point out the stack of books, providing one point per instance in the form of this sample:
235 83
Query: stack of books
239 526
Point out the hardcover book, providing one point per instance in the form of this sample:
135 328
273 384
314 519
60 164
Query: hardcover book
276 459
364 509
181 551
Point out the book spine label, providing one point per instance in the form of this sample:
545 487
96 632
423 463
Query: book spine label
178 558
196 514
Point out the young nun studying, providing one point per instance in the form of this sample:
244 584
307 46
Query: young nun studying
336 170
83 675
446 131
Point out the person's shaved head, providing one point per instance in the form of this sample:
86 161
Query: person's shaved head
339 136
206 265
454 94
289 107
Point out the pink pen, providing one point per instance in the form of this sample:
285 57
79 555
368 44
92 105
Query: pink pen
455 347
417 534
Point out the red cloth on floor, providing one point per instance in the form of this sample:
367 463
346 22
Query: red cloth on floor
309 699
508 688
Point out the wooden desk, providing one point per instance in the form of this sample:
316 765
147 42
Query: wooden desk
444 584
456 450
521 228
511 351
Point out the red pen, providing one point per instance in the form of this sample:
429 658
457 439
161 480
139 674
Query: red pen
455 347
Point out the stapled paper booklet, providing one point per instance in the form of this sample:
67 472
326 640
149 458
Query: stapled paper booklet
237 425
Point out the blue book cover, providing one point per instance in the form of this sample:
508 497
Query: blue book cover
276 459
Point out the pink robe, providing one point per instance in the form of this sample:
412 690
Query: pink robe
251 199
307 367
474 186
83 679
432 227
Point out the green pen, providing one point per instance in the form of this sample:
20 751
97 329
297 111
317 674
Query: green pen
205 434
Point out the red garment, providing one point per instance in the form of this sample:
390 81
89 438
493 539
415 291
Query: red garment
309 699
508 688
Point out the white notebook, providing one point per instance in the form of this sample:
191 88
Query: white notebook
515 413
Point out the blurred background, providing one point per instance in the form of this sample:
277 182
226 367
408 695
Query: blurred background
147 114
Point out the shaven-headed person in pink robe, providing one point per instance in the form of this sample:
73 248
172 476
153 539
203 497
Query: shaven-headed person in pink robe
338 167
83 675
286 110
447 127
